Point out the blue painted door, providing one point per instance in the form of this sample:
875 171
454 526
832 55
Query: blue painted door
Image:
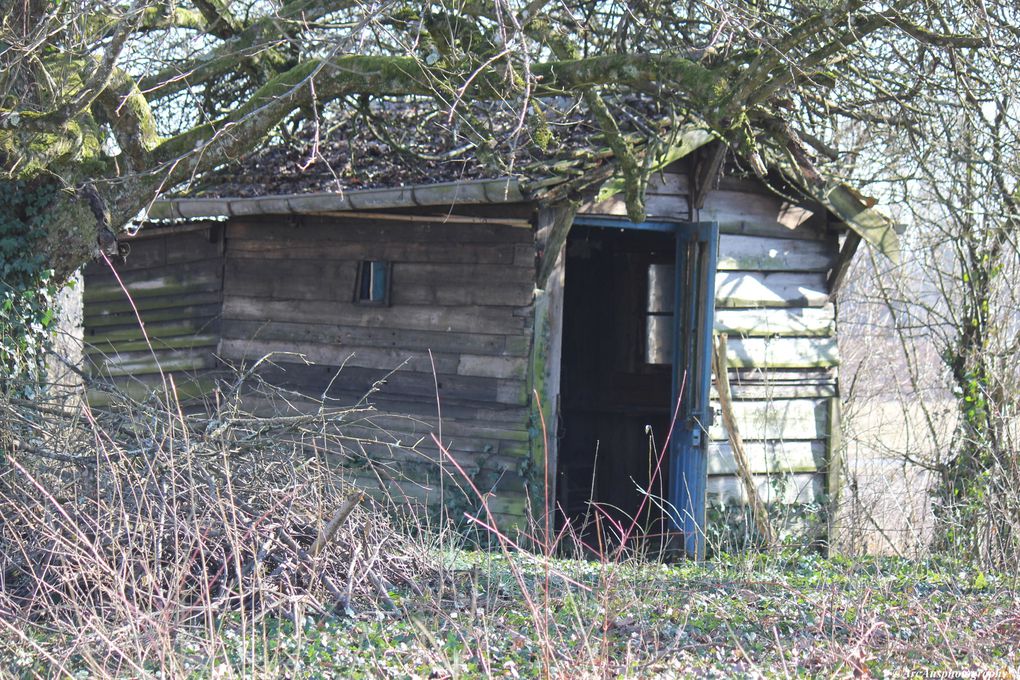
694 314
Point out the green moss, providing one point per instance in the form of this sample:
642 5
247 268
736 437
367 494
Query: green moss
71 233
540 131
58 148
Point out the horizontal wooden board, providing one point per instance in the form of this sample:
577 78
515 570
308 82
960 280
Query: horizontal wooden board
175 273
166 329
492 367
669 183
491 292
784 419
186 388
107 347
175 360
502 320
452 429
143 254
451 407
411 283
202 295
393 251
506 505
192 246
150 249
311 228
382 358
431 482
780 376
378 444
796 321
758 253
333 331
769 457
155 231
497 211
291 281
765 391
795 489
665 197
336 355
128 319
776 289
782 352
386 422
158 286
353 382
426 273
740 211
657 205
415 433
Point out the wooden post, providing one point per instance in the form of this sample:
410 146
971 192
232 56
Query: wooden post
835 466
544 370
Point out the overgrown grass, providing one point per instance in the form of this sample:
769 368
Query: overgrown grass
148 542
789 615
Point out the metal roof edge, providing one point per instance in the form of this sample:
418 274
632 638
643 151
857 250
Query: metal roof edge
469 192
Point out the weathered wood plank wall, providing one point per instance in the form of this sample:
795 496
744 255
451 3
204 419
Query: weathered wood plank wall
174 278
459 328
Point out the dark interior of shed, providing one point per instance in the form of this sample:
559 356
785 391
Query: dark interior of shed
615 384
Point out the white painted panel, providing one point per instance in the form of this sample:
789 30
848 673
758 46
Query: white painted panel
768 457
780 352
783 419
784 489
777 289
774 254
796 321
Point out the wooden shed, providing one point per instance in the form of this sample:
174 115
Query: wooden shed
565 342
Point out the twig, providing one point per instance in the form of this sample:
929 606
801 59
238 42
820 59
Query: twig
342 513
758 510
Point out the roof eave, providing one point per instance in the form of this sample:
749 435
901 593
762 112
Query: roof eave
469 192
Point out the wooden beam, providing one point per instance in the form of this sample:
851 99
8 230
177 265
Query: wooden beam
544 393
441 218
551 237
842 265
707 166
155 229
834 471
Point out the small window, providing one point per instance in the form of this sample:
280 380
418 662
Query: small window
659 314
373 283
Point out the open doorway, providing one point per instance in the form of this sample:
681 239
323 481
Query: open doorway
616 379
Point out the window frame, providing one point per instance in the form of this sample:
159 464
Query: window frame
370 265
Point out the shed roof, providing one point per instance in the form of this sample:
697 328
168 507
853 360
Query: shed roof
365 161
